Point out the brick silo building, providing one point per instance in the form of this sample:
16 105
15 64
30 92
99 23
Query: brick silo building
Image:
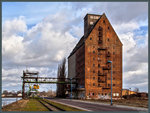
89 59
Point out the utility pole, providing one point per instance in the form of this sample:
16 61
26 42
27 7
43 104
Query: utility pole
23 85
111 81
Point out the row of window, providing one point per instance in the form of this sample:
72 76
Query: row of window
100 39
94 17
115 94
105 74
104 94
100 54
113 78
98 65
102 82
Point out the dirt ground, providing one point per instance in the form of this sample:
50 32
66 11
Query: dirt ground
136 102
15 106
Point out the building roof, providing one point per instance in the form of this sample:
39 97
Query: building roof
78 45
83 38
91 14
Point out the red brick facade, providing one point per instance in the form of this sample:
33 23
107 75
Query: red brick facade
99 44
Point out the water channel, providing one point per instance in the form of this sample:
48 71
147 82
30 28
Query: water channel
6 101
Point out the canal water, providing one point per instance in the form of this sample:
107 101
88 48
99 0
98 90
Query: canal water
6 101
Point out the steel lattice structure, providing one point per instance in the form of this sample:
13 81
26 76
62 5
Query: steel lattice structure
29 77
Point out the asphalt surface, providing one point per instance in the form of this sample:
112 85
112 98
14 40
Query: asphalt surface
92 106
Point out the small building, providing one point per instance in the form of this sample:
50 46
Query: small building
10 95
142 94
128 92
3 95
20 94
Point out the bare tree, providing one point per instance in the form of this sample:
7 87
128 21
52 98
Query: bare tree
5 92
61 75
136 89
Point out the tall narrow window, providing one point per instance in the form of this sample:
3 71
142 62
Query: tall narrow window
91 23
100 34
93 78
91 17
99 28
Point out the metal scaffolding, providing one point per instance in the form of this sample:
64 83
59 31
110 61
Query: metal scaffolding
32 77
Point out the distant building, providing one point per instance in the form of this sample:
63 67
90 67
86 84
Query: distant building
142 94
20 94
88 60
3 95
128 92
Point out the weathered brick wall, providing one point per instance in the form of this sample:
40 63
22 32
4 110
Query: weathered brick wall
97 76
89 22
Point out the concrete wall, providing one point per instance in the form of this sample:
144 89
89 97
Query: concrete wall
72 66
80 66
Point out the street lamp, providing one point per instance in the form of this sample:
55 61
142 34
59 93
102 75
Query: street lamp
111 80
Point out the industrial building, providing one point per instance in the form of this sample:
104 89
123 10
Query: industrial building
88 61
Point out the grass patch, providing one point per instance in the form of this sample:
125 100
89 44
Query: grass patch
65 107
34 105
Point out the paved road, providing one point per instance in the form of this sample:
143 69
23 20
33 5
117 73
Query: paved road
92 106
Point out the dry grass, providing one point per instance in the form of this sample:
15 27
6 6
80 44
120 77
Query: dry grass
135 102
15 106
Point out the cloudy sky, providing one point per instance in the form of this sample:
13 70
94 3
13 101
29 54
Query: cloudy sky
37 36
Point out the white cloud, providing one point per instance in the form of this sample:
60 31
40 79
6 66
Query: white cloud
12 46
77 31
135 55
40 45
44 45
14 26
126 27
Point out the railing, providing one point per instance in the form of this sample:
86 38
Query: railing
101 81
99 41
100 29
100 35
106 68
108 54
101 48
100 74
